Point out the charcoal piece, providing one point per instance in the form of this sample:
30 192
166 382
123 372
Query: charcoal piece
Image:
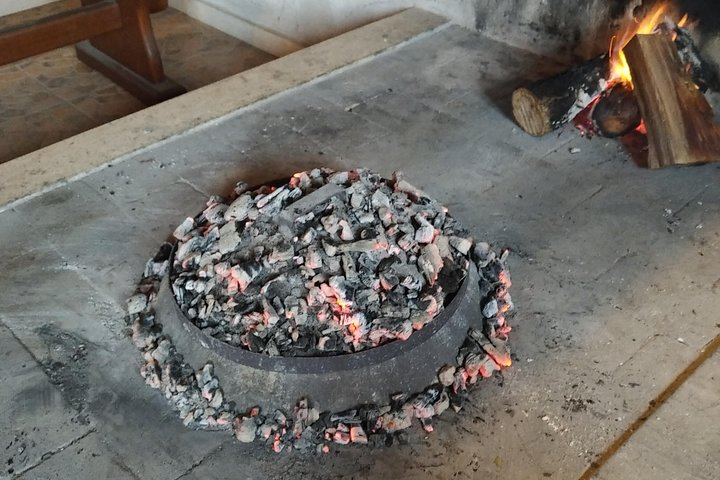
490 309
446 375
281 253
451 277
379 200
432 393
245 429
244 304
309 439
388 279
379 440
163 253
349 267
442 403
368 263
255 343
240 188
481 255
397 400
278 304
457 401
183 230
469 346
388 262
430 263
323 422
368 415
462 245
331 343
239 208
215 213
348 417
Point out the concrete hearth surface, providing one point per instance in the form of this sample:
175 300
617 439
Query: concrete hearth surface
615 273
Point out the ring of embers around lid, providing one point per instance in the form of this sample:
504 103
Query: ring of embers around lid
337 382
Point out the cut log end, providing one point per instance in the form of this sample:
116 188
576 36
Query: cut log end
616 112
530 112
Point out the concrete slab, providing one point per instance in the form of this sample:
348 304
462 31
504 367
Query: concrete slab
35 420
85 458
676 442
614 267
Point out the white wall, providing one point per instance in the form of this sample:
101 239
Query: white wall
12 6
283 26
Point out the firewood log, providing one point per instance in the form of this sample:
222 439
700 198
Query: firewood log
616 112
548 104
679 121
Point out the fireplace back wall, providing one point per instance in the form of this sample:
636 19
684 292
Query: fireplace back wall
570 30
564 29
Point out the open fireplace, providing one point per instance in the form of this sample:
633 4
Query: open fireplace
647 88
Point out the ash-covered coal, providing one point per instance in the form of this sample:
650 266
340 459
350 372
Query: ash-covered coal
196 393
326 264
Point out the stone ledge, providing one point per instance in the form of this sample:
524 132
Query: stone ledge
75 157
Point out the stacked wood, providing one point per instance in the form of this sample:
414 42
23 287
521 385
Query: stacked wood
679 121
548 104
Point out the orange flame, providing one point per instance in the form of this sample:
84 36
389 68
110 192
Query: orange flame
344 305
683 21
619 68
353 327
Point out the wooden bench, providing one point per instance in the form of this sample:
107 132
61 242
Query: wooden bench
113 36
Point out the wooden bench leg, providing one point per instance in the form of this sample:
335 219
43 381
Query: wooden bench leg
129 56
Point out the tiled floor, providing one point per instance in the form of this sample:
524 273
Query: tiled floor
53 96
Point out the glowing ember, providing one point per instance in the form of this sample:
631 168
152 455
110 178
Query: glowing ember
329 263
262 296
344 305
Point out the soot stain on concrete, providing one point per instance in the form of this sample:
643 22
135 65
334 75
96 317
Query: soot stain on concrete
66 367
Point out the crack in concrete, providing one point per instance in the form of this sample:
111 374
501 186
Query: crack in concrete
640 348
692 199
21 343
193 186
597 190
622 257
199 462
49 454
124 468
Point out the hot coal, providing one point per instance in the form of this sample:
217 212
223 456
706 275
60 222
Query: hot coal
326 264
197 395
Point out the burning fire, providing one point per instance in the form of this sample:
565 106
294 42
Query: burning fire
619 69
